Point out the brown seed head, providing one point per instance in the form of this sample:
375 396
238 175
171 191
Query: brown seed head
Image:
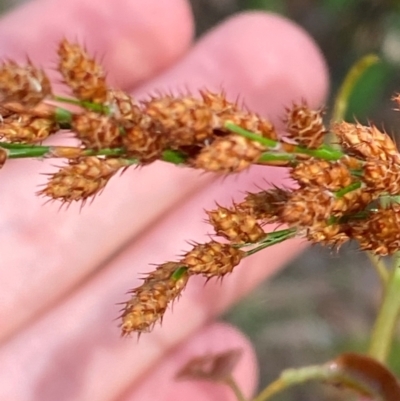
185 121
310 206
82 178
366 142
382 176
150 301
305 126
26 85
380 233
321 173
212 259
25 128
96 131
265 205
327 234
123 107
228 154
235 225
82 73
144 140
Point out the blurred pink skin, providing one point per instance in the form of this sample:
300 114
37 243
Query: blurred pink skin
59 338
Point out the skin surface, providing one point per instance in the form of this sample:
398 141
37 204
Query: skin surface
63 271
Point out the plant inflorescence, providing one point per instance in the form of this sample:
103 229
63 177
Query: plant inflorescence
346 177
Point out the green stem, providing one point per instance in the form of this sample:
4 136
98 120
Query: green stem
349 83
352 187
98 108
272 238
380 268
323 152
269 143
385 324
231 382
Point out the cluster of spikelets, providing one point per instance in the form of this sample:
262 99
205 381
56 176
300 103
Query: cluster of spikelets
339 192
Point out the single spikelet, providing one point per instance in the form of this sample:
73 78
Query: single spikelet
380 232
122 107
265 205
186 121
225 111
321 173
212 259
25 128
310 205
382 176
228 154
218 103
235 225
305 125
366 142
96 131
144 141
82 178
327 234
82 73
150 301
26 84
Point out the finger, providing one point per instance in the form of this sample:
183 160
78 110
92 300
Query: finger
214 339
78 339
135 39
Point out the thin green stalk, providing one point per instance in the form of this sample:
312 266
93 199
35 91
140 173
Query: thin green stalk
231 382
99 108
273 238
380 268
349 83
385 324
352 187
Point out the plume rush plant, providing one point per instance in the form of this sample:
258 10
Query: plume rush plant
337 190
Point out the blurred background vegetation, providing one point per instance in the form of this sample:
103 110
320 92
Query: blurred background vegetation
325 301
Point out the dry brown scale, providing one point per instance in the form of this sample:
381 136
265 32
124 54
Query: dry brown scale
336 193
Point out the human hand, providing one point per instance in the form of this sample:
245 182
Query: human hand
62 271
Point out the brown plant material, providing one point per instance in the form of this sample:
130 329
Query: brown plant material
144 141
366 376
82 73
332 200
150 300
212 259
82 178
366 141
228 154
96 132
216 367
122 107
323 174
3 157
382 176
305 125
235 225
265 205
27 84
328 234
25 128
186 121
380 232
